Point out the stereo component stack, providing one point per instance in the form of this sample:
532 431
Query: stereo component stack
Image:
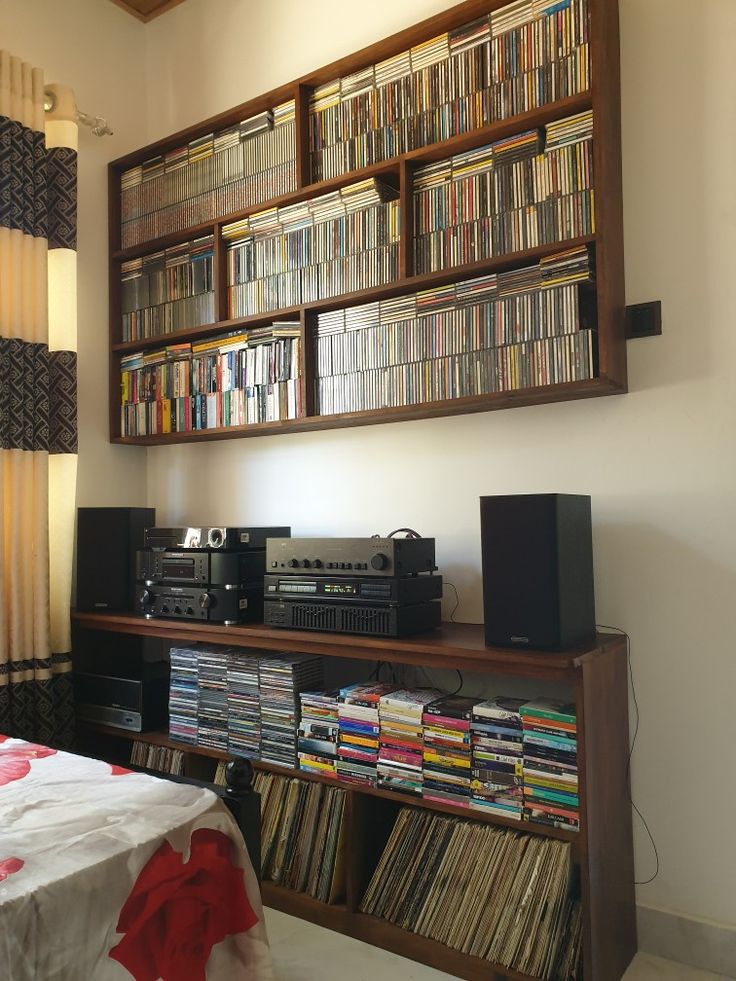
205 574
377 586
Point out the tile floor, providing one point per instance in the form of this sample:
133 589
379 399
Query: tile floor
304 952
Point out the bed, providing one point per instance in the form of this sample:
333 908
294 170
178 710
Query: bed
111 875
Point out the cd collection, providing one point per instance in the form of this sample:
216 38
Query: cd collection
302 836
214 175
336 243
512 757
430 867
512 195
515 59
500 332
167 291
229 380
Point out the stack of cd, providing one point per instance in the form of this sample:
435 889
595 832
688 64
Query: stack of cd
281 680
183 694
401 738
318 732
357 751
446 763
212 701
551 763
243 703
498 752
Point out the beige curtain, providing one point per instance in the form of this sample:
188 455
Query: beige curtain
38 431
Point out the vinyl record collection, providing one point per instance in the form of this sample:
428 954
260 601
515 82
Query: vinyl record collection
167 291
336 243
534 188
523 914
161 758
214 175
233 379
302 836
519 57
506 331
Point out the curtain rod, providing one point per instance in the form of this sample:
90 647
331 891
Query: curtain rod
98 124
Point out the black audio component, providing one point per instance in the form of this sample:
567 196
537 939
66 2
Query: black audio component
214 604
136 704
201 568
107 540
387 557
222 539
537 552
347 618
363 589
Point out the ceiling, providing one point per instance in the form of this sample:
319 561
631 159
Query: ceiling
146 10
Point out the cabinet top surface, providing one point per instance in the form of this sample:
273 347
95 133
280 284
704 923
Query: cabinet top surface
453 645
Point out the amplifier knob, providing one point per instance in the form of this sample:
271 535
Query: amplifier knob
306 563
205 601
379 561
293 563
145 597
317 563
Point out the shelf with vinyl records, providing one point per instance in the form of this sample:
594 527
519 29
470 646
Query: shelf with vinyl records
431 226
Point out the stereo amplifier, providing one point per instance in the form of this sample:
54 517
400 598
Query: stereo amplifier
222 539
362 589
155 566
215 604
136 704
346 618
386 557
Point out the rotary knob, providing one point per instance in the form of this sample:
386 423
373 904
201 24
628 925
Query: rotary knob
145 597
293 563
317 563
379 561
205 601
306 563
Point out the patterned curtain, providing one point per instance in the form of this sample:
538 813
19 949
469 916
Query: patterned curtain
38 424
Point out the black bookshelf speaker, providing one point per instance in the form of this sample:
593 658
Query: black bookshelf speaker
107 540
537 552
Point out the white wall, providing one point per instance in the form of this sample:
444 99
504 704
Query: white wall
97 50
659 462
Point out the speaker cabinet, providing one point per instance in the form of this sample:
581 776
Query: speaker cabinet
107 540
537 552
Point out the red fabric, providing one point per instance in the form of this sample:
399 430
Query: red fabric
15 761
9 866
3 738
177 911
118 771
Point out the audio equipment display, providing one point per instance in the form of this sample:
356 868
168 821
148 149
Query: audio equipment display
537 552
216 538
366 589
136 704
213 603
202 568
107 540
388 557
378 621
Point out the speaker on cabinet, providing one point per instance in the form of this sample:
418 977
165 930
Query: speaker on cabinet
537 552
107 540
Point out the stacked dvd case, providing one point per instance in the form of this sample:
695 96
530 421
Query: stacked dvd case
515 59
446 766
216 174
551 763
212 706
168 291
318 732
184 693
358 713
401 738
524 328
498 752
532 189
336 243
243 703
281 680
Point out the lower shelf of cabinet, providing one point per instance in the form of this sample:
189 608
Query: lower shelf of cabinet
565 392
381 933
